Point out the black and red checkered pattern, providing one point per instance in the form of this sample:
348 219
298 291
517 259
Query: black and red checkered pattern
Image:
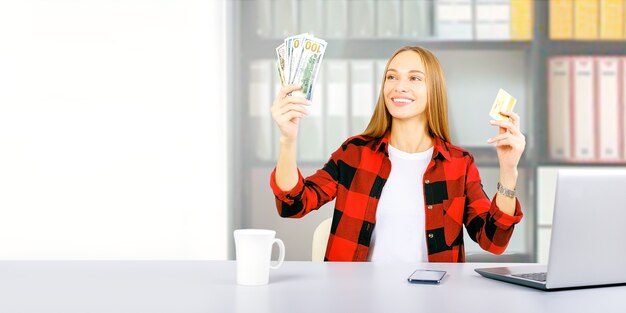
355 175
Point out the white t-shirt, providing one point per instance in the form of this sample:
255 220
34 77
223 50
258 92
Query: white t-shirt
400 232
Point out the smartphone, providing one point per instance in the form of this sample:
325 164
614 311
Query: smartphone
426 277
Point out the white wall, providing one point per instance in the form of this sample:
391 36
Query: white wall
112 130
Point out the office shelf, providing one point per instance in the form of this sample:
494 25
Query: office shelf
595 47
258 48
534 53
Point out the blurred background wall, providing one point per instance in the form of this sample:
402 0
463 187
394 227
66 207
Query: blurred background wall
113 130
563 60
142 129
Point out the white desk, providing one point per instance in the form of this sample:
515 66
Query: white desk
209 286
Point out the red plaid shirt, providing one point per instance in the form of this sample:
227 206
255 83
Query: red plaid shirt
355 175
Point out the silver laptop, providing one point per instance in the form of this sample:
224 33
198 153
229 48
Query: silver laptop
588 243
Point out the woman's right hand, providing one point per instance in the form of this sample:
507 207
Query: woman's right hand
287 111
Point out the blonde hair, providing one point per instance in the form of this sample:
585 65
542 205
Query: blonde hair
436 105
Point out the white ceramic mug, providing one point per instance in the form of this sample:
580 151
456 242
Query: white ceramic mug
254 251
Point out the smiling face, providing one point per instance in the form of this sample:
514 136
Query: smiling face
413 91
405 89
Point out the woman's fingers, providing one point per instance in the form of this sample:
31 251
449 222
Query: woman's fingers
498 137
279 104
290 103
512 128
507 139
295 100
287 111
504 142
291 115
282 98
513 116
294 107
285 90
509 131
507 136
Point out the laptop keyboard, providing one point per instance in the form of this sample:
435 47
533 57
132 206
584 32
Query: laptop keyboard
540 277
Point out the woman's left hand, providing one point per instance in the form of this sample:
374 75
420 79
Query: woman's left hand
510 143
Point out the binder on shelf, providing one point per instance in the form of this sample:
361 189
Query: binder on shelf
543 244
584 113
362 15
259 103
493 19
622 98
586 24
311 17
361 94
311 128
274 130
417 18
561 15
612 19
608 108
264 18
559 115
454 19
521 20
336 13
624 23
388 18
546 189
336 104
379 78
285 18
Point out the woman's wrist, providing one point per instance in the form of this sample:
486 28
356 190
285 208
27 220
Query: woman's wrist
287 142
508 178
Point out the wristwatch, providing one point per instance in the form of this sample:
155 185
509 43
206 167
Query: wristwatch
506 192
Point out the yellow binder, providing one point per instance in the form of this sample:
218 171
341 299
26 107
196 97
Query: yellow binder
612 19
586 24
561 14
521 19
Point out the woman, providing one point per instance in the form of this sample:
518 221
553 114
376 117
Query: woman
402 190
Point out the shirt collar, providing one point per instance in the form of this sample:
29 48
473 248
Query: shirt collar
440 147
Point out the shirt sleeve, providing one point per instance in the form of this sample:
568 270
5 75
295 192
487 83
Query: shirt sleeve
310 193
486 224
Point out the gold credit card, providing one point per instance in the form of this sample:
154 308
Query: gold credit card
504 102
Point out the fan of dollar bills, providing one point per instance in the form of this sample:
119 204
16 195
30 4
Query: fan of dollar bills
299 61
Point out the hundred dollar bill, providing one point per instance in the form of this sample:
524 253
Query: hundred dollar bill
299 62
280 52
504 102
293 47
297 48
308 66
